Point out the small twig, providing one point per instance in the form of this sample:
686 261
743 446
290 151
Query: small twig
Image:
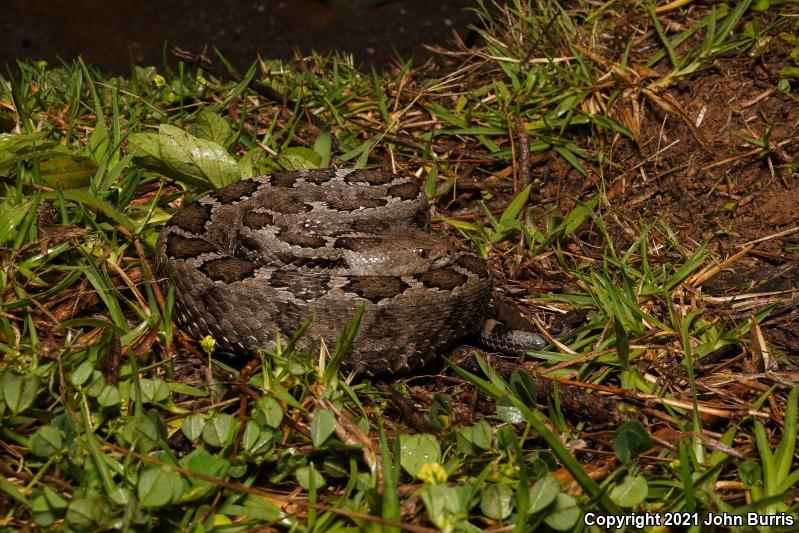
672 5
205 63
405 407
524 155
351 434
548 336
765 94
732 159
711 270
772 236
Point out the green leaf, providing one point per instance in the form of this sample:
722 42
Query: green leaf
447 507
667 44
153 390
186 389
542 494
535 419
322 147
257 507
358 152
98 141
202 462
508 412
565 513
571 157
247 164
524 387
750 472
631 439
575 218
478 435
418 450
41 512
18 391
146 150
192 426
790 72
211 127
196 160
761 5
67 171
87 512
47 441
144 431
53 499
220 430
511 213
783 455
82 374
120 496
497 501
96 384
298 158
10 220
389 507
159 486
507 439
460 224
271 410
306 475
109 396
257 440
630 492
322 426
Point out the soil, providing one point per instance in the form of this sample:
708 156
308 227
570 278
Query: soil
730 189
112 35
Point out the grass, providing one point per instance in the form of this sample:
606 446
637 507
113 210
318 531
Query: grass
113 419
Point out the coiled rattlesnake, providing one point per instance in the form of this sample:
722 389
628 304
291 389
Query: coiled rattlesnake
263 254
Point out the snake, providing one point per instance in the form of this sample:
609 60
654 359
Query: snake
258 257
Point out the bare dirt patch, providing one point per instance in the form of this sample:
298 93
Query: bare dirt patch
718 165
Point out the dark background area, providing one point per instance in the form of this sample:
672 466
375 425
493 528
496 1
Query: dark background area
112 34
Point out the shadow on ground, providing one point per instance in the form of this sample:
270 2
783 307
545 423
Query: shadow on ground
114 34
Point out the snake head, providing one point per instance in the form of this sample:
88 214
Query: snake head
402 253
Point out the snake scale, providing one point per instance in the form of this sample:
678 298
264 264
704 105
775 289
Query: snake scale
261 255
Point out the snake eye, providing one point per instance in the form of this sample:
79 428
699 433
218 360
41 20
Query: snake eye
423 253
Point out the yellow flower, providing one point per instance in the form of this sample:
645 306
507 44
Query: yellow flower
433 473
159 81
208 344
201 81
41 64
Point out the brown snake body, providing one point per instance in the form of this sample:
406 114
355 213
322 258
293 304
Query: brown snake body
261 255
